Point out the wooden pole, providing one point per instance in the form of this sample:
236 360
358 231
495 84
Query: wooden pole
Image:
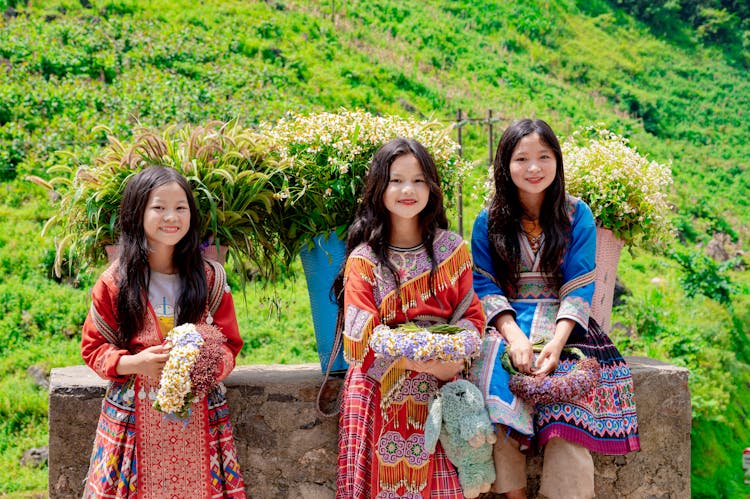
491 139
459 192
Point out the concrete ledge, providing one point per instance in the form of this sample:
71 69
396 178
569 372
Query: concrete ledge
287 450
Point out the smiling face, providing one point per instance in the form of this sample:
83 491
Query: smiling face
533 167
166 219
407 193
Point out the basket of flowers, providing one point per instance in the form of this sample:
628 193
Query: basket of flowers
627 194
328 155
580 380
231 170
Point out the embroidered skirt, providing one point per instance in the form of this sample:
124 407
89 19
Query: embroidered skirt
114 468
362 429
605 421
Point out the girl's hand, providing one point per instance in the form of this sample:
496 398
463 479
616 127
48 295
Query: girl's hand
519 346
443 370
148 362
521 353
548 359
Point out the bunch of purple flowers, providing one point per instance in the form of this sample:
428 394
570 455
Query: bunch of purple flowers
581 378
439 341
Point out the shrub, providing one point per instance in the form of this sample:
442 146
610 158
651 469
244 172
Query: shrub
702 275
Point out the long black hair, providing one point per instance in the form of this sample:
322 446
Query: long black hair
372 222
505 209
134 270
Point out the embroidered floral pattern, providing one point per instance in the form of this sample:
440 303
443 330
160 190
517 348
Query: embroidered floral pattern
414 449
494 305
379 367
387 494
391 447
410 264
406 262
576 308
420 388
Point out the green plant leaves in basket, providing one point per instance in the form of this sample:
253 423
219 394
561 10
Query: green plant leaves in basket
410 327
233 173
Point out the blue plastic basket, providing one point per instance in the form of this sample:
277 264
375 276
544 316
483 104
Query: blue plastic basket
322 264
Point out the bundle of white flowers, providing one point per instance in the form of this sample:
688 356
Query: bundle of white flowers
327 156
627 193
192 368
175 387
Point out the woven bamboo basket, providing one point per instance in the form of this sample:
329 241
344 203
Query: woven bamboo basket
608 249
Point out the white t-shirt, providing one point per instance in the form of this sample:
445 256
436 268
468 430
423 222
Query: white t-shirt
163 291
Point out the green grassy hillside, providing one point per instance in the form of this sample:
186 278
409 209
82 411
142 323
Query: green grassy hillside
681 95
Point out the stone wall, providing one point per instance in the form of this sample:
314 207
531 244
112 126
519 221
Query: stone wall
288 451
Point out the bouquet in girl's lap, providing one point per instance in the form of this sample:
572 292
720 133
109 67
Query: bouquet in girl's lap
192 369
440 341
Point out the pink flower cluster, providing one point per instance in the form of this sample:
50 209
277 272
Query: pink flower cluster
580 381
208 365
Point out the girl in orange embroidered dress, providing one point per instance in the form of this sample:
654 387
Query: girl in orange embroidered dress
159 280
402 266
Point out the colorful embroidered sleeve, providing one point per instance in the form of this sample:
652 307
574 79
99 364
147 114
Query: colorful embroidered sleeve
578 267
99 334
360 310
361 317
473 317
493 299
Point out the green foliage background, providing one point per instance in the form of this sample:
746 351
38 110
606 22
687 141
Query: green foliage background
671 76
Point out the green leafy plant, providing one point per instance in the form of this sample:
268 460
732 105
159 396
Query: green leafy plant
230 171
328 156
702 275
626 192
662 323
